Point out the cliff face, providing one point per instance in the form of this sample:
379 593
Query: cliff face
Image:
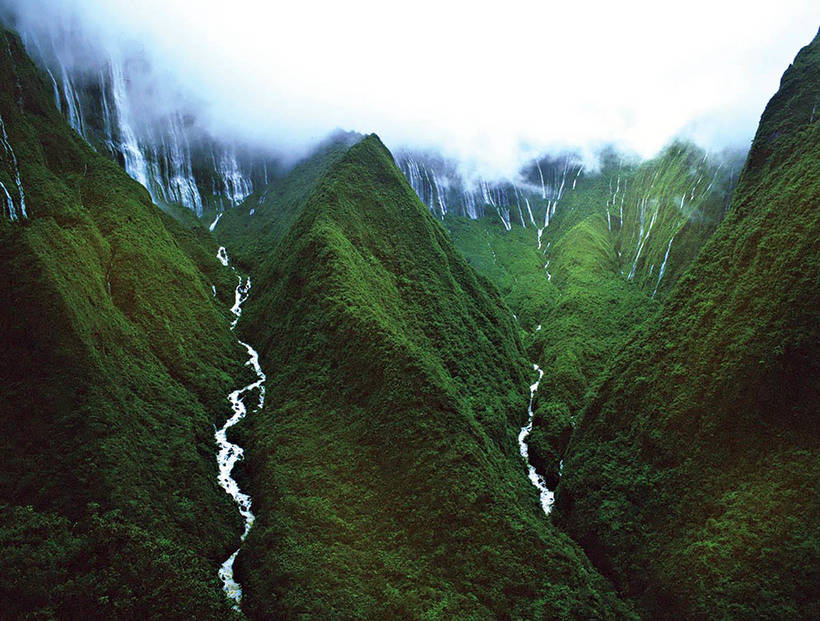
112 101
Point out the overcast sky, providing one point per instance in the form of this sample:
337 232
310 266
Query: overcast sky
487 82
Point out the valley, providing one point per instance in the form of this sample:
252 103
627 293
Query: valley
583 390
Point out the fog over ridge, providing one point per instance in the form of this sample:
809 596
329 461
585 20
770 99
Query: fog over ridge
490 88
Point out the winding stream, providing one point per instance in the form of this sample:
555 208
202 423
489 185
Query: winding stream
536 479
228 453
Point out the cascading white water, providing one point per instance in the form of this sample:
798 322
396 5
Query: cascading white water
433 182
543 187
181 185
440 197
134 159
229 453
75 113
156 151
237 186
642 239
13 215
9 202
222 255
57 101
547 497
663 266
578 174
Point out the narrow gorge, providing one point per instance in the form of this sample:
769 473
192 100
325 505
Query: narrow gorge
229 453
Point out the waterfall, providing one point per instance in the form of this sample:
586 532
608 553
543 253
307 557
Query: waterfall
563 182
504 214
663 266
470 205
518 205
56 89
133 157
578 174
181 184
529 211
13 215
642 242
543 187
155 151
442 204
237 187
75 113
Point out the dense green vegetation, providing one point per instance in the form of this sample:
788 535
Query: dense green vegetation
385 465
115 361
676 416
573 313
253 229
691 479
672 202
573 296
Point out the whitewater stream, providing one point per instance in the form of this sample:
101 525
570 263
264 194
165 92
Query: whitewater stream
536 479
228 453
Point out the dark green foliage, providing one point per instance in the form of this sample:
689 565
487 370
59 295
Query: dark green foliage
103 567
385 467
691 479
115 361
511 260
576 311
251 236
552 429
577 285
683 195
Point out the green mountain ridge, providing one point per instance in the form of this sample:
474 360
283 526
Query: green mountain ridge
692 477
115 363
675 420
385 464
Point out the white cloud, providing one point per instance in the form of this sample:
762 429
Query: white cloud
486 82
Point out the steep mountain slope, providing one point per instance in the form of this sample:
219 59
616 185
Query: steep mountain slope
681 194
692 477
522 201
254 228
115 363
658 213
584 282
385 465
573 306
116 102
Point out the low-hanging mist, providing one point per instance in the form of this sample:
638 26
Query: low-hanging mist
486 88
